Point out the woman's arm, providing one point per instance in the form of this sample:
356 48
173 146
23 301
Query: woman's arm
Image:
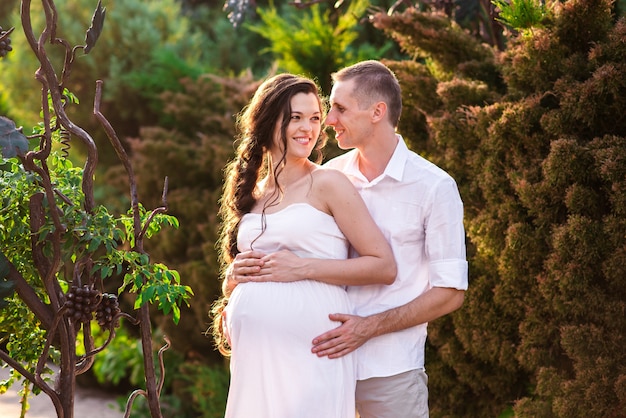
334 193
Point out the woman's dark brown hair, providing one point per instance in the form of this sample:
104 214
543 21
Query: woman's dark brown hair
256 124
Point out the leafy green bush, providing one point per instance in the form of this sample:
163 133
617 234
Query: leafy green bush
232 50
521 14
122 362
189 390
311 42
206 387
57 248
541 169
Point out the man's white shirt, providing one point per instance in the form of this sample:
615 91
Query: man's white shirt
418 208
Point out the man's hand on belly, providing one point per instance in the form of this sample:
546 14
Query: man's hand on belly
350 335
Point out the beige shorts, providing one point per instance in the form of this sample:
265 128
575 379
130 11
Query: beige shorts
403 395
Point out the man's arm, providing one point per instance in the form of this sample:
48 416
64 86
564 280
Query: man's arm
356 330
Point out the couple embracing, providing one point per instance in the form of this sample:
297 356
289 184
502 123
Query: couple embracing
332 272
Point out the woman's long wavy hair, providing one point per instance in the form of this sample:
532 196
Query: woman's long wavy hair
256 129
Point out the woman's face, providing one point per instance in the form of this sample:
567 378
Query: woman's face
304 127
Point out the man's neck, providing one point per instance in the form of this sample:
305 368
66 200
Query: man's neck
373 159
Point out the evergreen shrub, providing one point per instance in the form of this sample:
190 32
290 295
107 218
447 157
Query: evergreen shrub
541 169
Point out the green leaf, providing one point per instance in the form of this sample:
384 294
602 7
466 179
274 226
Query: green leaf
520 14
188 290
139 301
12 140
175 314
149 293
105 272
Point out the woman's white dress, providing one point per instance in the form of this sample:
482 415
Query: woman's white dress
272 326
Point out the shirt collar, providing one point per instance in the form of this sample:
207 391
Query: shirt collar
397 162
394 168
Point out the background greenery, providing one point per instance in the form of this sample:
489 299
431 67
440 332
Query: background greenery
527 114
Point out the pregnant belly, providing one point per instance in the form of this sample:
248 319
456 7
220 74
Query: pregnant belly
292 311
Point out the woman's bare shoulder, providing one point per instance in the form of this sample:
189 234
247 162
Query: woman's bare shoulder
329 182
323 173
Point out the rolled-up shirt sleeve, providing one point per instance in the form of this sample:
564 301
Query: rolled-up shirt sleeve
445 237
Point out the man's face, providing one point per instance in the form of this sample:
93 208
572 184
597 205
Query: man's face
351 123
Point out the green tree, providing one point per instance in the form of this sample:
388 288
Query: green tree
145 47
57 246
308 42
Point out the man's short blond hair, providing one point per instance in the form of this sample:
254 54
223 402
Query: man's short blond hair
374 82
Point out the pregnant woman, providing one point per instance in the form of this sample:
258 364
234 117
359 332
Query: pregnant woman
275 198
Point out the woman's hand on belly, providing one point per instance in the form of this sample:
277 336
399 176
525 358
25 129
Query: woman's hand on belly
281 266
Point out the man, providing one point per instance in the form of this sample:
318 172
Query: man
418 208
